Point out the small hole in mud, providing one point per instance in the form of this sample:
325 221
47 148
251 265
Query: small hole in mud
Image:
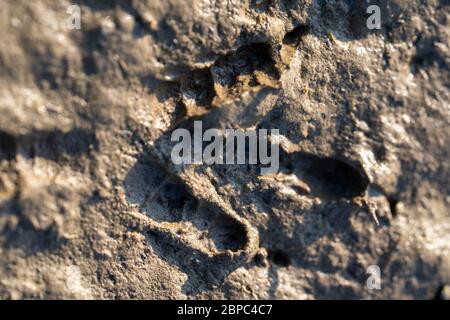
7 146
174 196
330 177
380 153
260 57
393 206
198 85
227 234
440 295
260 259
247 60
341 178
294 36
152 234
280 258
89 65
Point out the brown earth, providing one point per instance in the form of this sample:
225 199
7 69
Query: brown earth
92 207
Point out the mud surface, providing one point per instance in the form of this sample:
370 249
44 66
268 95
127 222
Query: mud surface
92 207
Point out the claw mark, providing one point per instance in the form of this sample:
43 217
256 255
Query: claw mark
369 205
7 146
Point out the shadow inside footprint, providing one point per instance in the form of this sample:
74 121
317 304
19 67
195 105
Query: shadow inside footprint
165 198
224 232
187 232
329 177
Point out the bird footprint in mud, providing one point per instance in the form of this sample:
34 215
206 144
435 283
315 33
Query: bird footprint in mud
186 221
188 224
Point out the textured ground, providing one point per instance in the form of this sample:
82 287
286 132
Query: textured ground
91 206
